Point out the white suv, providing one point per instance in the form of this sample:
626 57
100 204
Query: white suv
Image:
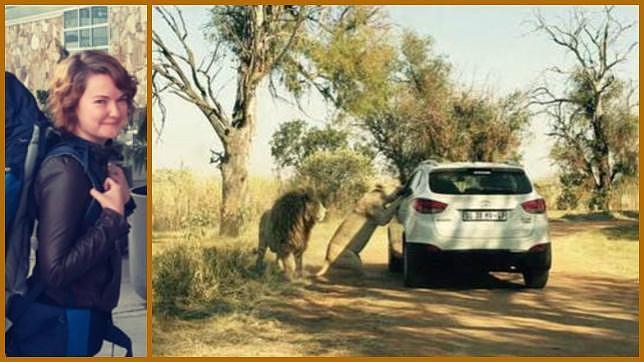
481 216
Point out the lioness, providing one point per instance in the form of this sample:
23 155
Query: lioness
375 208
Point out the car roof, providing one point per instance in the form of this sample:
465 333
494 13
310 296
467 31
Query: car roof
430 165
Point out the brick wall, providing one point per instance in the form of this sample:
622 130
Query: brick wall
31 51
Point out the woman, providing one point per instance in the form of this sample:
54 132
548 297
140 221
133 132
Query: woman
79 251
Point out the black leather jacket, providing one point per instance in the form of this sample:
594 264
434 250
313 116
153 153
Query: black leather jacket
80 269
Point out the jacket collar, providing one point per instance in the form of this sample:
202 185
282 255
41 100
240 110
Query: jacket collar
110 151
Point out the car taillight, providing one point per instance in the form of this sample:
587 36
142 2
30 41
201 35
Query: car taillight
427 206
537 206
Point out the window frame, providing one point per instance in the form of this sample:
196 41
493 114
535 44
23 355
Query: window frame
78 28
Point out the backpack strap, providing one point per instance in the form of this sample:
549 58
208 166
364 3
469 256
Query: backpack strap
64 149
20 304
16 249
116 336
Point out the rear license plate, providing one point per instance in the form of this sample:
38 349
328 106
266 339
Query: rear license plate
485 215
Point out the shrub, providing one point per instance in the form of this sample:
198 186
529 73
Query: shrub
339 177
175 277
214 279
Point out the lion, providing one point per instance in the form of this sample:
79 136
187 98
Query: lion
374 209
286 227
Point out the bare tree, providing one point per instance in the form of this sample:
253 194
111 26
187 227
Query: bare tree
582 115
257 38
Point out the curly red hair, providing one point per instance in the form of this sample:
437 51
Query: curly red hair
70 80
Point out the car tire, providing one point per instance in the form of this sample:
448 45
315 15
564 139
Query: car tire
536 278
410 266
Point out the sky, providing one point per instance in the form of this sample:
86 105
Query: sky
489 47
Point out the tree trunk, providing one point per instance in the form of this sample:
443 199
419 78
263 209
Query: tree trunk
601 151
605 187
234 172
234 166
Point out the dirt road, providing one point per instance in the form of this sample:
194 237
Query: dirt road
577 314
588 308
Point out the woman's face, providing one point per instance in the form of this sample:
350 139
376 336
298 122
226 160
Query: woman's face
101 111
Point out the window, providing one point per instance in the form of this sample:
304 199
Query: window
412 179
86 28
479 181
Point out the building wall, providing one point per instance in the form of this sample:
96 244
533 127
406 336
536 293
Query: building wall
128 43
31 50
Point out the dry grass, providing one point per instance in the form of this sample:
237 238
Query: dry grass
182 199
612 251
193 281
235 320
228 335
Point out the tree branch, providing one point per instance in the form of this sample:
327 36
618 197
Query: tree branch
180 84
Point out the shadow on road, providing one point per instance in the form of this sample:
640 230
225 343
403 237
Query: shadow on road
465 314
377 276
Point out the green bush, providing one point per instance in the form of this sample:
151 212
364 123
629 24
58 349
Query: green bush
339 177
566 193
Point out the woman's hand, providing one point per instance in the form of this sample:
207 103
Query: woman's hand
117 174
113 198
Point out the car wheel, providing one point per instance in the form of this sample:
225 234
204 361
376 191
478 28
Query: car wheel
410 266
535 278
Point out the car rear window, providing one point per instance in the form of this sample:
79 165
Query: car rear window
479 181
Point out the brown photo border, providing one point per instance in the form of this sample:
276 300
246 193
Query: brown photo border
149 4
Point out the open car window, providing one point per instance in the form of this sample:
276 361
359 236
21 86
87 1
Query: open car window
479 181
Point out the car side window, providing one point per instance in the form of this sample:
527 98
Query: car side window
413 180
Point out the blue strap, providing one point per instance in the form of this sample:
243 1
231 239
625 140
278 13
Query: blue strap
18 309
116 335
78 323
12 186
